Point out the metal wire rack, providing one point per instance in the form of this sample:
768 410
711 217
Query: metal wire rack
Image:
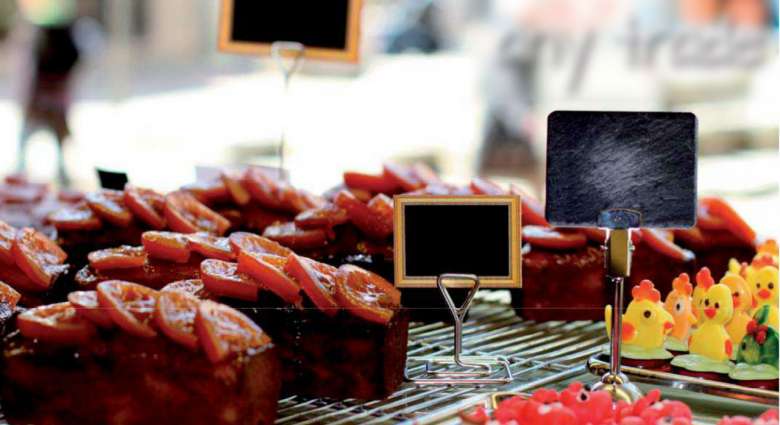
548 354
539 354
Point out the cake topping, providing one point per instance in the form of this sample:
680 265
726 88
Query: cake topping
179 210
146 205
38 257
366 295
289 234
402 176
323 217
122 257
732 221
55 323
109 205
208 191
220 331
87 306
251 243
75 217
268 269
373 219
661 241
167 246
211 246
553 239
186 214
271 192
258 267
9 295
191 286
237 192
7 236
532 210
317 280
223 279
131 306
224 332
174 315
371 182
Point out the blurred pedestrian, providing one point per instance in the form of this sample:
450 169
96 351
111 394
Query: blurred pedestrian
50 68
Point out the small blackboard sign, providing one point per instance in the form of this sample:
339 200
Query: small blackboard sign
477 235
621 169
112 179
327 29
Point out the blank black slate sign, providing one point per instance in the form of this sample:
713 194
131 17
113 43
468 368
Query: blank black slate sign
641 161
471 239
320 23
112 179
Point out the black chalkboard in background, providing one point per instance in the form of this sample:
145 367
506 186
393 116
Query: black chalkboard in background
469 235
328 29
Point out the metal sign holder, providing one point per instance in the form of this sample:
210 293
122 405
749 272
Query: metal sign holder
474 370
279 51
618 252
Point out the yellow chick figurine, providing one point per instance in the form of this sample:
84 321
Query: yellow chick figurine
743 302
679 304
645 322
703 281
763 284
710 339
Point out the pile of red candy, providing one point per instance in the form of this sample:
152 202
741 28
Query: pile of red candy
577 406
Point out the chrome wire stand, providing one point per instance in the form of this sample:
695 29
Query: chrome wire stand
294 51
473 370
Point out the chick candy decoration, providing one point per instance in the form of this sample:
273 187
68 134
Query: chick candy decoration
763 284
645 322
704 280
768 252
757 354
679 304
743 302
760 344
710 339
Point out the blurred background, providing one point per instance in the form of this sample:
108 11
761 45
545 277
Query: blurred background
465 85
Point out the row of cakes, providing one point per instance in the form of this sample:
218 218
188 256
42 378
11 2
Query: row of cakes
724 331
181 318
563 272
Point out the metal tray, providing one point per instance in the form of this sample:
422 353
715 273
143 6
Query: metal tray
599 365
549 354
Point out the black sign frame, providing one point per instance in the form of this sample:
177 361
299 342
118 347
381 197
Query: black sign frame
511 202
351 52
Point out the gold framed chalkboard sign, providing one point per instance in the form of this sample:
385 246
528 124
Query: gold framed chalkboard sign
477 235
328 29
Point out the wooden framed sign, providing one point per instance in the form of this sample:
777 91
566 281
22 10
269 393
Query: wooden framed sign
327 29
477 235
621 169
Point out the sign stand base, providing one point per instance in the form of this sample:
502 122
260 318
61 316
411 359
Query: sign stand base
472 370
619 250
294 51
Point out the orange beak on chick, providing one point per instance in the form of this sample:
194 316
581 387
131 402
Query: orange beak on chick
710 312
764 294
668 326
